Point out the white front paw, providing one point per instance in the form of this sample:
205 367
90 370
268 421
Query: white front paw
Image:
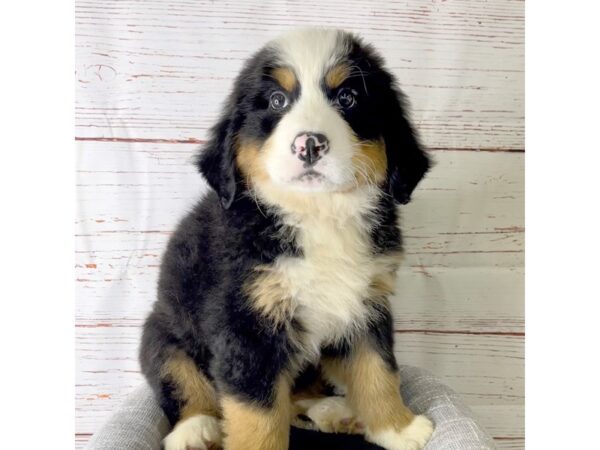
197 432
331 415
413 437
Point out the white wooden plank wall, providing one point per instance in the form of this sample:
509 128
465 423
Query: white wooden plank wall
151 76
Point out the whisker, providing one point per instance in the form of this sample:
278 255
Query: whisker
352 73
254 197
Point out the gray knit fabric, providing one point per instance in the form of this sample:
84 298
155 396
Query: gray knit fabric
140 424
455 426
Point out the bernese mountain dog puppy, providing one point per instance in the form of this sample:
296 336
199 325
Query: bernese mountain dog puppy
284 269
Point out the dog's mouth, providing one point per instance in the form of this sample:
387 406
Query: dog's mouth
310 176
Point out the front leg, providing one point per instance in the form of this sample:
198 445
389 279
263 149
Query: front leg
368 371
248 425
374 393
251 371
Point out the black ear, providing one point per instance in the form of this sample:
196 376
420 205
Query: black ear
407 162
216 160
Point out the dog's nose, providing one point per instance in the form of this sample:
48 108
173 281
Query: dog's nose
310 147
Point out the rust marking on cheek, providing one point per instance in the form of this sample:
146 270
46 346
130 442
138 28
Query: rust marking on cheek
337 75
250 161
285 77
370 162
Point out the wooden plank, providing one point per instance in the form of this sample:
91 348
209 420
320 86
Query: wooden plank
126 217
485 369
468 207
458 311
161 70
468 192
497 416
467 301
461 300
502 443
510 443
81 440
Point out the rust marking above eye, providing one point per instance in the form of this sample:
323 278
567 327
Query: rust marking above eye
337 75
285 77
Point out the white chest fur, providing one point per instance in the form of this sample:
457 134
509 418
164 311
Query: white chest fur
328 284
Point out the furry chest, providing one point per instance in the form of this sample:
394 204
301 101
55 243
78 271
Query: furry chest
327 286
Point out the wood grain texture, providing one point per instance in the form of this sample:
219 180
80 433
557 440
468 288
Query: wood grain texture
458 310
151 77
510 443
161 70
483 368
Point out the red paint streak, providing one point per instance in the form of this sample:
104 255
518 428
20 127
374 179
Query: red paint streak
203 141
514 229
467 149
478 333
98 396
402 331
497 231
463 252
423 270
167 232
91 266
142 140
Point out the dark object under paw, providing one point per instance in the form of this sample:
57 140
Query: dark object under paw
301 439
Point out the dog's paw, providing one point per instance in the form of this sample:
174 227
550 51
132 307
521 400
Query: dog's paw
331 415
199 432
413 437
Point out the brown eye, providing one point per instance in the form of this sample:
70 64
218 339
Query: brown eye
346 98
278 100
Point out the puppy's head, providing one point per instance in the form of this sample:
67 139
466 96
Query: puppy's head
313 112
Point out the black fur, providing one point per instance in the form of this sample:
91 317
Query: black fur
246 113
307 439
381 112
201 308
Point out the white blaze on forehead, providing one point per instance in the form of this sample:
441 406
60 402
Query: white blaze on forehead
311 51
